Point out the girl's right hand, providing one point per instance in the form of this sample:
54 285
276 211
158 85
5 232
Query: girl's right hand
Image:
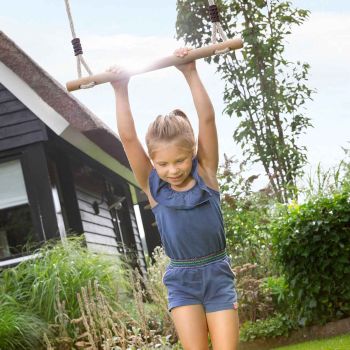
122 77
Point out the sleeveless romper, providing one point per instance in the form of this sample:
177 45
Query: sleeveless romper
192 233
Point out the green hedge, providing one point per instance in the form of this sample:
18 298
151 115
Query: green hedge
312 245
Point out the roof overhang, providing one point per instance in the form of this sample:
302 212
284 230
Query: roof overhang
61 112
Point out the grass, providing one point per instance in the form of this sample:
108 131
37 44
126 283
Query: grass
29 292
68 297
335 343
19 328
60 270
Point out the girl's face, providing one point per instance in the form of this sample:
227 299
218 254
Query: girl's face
173 163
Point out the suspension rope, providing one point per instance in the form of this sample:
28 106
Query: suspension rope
220 46
78 51
217 30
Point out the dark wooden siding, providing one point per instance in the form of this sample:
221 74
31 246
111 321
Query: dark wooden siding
152 235
98 228
127 231
18 125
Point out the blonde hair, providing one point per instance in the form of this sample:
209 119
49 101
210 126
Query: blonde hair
173 126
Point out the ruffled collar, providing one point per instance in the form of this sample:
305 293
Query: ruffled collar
163 193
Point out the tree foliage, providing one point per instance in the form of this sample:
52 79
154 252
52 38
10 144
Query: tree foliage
262 88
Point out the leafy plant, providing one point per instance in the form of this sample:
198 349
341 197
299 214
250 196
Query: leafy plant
272 327
246 215
278 288
255 302
312 245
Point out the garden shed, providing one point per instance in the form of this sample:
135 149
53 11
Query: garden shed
62 170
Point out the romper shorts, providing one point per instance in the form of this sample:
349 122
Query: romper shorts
211 284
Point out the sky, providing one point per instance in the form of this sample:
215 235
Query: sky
131 32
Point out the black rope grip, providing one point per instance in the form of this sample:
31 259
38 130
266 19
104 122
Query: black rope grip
214 13
77 47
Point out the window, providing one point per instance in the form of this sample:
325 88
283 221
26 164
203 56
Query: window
17 234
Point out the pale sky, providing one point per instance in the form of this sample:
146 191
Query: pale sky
129 32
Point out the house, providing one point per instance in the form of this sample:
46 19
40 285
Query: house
62 171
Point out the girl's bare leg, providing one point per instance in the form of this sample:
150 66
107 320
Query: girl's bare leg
191 326
224 329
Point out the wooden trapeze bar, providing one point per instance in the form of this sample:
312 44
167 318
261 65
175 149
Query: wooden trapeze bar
202 52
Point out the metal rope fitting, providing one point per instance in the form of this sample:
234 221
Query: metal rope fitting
77 46
214 13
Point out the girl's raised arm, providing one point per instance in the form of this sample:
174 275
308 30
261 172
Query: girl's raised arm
138 159
208 153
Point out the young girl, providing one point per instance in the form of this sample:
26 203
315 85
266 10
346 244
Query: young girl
180 182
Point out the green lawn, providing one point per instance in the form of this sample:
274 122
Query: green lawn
336 343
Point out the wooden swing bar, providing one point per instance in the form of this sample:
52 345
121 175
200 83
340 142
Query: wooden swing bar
202 52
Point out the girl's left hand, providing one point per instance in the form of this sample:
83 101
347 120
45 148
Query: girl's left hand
185 67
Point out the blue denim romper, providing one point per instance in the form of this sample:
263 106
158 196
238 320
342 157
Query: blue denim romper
192 233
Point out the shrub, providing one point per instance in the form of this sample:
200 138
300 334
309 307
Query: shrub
246 216
272 327
277 287
255 300
312 244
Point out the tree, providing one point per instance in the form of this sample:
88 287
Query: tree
262 88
